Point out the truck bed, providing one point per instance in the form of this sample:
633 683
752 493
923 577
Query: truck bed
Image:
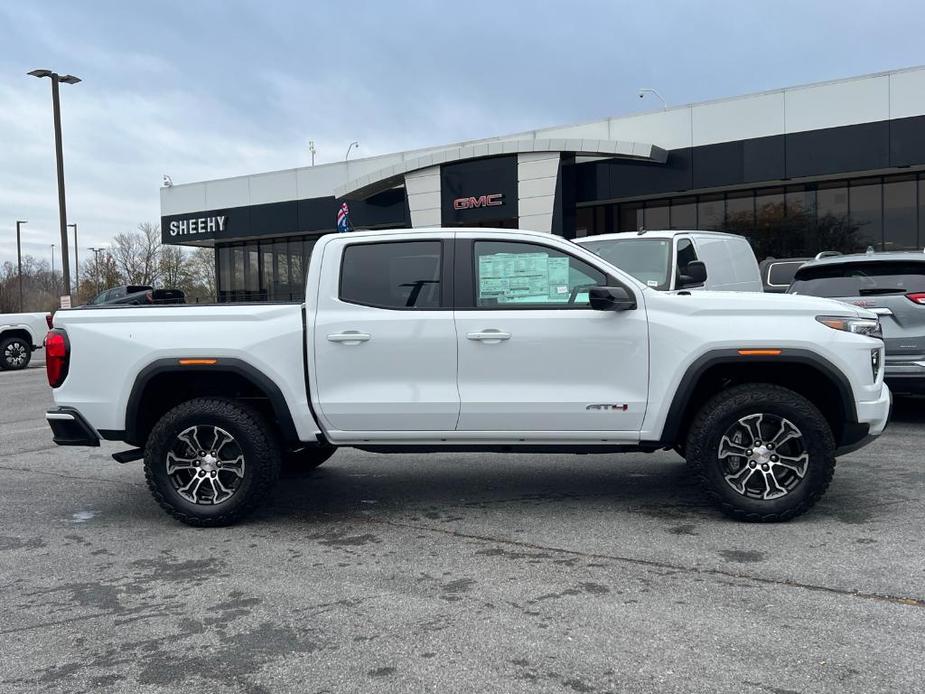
125 339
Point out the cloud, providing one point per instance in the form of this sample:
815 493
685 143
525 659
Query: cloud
207 90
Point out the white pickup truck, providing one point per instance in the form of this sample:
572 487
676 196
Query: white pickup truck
20 335
472 340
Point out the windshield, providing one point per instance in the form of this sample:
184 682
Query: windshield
861 279
648 260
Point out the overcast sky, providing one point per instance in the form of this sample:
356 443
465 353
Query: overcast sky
202 90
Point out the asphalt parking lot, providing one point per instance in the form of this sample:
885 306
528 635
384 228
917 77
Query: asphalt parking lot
456 573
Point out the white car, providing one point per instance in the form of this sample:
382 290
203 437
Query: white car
676 259
476 340
20 335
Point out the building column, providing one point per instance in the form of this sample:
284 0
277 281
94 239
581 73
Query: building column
423 190
537 174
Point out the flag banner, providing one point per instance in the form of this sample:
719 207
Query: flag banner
343 218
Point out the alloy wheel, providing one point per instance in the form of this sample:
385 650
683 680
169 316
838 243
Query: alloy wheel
205 465
15 354
763 456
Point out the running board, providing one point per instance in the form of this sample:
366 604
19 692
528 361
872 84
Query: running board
129 455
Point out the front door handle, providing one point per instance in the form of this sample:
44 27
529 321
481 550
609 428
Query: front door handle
489 336
349 337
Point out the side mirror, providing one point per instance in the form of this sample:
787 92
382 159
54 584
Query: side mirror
695 273
611 299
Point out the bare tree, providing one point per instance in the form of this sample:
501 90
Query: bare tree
137 254
174 268
202 268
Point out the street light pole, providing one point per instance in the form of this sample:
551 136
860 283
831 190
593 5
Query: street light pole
352 145
59 154
19 223
54 280
76 262
96 266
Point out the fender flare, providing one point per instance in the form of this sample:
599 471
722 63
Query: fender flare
223 365
685 390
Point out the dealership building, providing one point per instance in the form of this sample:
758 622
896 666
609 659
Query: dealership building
829 166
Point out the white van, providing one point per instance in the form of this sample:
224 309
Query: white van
676 259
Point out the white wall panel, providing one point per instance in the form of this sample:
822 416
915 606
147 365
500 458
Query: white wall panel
907 93
838 103
228 192
190 197
536 222
277 186
585 131
738 119
668 129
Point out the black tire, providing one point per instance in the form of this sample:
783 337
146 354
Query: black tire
252 439
715 467
15 353
301 462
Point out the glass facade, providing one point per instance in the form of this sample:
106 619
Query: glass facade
885 212
263 270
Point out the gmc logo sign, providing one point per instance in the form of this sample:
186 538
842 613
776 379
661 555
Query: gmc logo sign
491 200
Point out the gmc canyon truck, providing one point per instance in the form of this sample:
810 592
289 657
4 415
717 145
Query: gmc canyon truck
472 340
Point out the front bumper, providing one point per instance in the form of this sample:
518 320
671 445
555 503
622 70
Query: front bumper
69 428
873 417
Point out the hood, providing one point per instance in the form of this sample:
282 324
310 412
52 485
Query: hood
709 302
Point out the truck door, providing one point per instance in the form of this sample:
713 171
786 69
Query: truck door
533 354
384 336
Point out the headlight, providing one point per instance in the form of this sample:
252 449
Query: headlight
859 326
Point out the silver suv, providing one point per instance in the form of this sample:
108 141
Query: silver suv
891 285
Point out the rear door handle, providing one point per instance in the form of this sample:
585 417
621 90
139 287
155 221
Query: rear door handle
349 337
489 336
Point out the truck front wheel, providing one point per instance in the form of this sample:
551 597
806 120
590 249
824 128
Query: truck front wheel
762 452
211 461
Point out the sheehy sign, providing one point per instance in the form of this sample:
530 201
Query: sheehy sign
200 225
471 202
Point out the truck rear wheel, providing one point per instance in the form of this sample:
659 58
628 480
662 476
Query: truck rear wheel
211 461
762 452
15 354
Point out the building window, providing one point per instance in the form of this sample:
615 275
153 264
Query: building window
900 232
711 211
631 216
740 213
684 213
656 215
866 209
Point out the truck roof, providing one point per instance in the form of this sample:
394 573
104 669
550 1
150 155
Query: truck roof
656 234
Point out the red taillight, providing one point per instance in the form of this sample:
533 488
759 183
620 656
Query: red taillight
57 357
918 298
48 320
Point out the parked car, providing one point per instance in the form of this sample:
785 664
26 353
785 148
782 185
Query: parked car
477 340
138 295
674 259
114 294
892 285
20 335
777 273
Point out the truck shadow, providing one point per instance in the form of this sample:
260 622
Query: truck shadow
445 486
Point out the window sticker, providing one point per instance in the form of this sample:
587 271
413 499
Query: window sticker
523 278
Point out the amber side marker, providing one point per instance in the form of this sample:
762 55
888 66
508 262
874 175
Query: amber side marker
760 352
197 362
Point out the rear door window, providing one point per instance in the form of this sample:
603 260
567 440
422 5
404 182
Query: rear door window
875 278
393 274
